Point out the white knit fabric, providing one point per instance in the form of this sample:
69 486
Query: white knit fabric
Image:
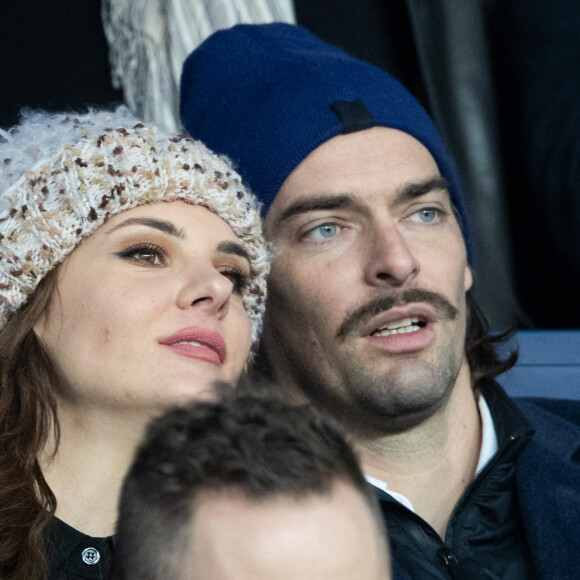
149 41
114 163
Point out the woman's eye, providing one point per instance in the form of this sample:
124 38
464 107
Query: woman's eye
323 232
146 255
426 215
238 278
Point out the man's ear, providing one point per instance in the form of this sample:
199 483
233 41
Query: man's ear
468 278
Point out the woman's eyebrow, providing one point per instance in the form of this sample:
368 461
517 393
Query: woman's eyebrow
233 248
162 225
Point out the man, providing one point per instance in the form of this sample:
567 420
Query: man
248 488
370 313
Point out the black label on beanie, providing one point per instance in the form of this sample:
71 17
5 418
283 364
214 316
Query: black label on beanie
353 115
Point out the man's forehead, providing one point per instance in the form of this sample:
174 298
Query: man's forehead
355 157
383 142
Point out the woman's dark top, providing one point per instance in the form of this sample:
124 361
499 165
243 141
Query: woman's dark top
76 556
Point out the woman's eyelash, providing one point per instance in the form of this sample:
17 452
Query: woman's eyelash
238 277
151 254
154 255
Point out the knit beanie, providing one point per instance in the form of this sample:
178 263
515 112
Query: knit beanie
267 95
63 176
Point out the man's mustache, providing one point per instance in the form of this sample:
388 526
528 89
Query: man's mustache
364 313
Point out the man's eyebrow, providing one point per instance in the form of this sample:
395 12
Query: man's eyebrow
162 225
345 201
233 248
414 190
324 202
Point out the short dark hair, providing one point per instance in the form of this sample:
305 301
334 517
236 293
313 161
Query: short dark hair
254 443
488 354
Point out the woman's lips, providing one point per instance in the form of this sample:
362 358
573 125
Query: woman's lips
199 343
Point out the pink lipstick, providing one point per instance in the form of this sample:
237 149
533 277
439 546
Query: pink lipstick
199 343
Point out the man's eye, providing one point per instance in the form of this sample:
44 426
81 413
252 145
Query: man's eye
426 215
144 254
323 232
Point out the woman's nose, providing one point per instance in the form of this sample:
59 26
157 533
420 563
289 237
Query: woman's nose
207 289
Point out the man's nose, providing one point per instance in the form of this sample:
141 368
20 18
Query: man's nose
390 258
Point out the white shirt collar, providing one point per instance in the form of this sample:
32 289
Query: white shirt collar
488 435
487 451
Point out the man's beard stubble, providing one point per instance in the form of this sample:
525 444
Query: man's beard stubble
403 394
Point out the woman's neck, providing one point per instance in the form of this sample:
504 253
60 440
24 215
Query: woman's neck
95 450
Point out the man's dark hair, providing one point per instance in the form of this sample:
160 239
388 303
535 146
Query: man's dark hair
484 350
254 443
488 355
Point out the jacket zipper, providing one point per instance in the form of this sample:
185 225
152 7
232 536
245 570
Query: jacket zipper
448 543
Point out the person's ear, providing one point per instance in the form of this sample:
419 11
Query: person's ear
468 278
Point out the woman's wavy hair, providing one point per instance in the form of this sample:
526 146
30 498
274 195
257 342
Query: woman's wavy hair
28 383
488 354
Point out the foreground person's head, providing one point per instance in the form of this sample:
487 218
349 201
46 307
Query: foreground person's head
132 276
369 292
248 488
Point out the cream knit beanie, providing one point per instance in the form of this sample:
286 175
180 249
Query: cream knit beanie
63 176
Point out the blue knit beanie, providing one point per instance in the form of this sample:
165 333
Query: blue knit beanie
267 95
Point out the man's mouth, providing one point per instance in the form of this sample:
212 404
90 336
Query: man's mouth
403 326
414 309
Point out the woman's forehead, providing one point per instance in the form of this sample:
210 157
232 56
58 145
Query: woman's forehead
175 218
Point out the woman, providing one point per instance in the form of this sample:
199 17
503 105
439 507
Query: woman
113 308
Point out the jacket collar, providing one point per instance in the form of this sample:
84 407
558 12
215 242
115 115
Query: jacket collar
548 484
